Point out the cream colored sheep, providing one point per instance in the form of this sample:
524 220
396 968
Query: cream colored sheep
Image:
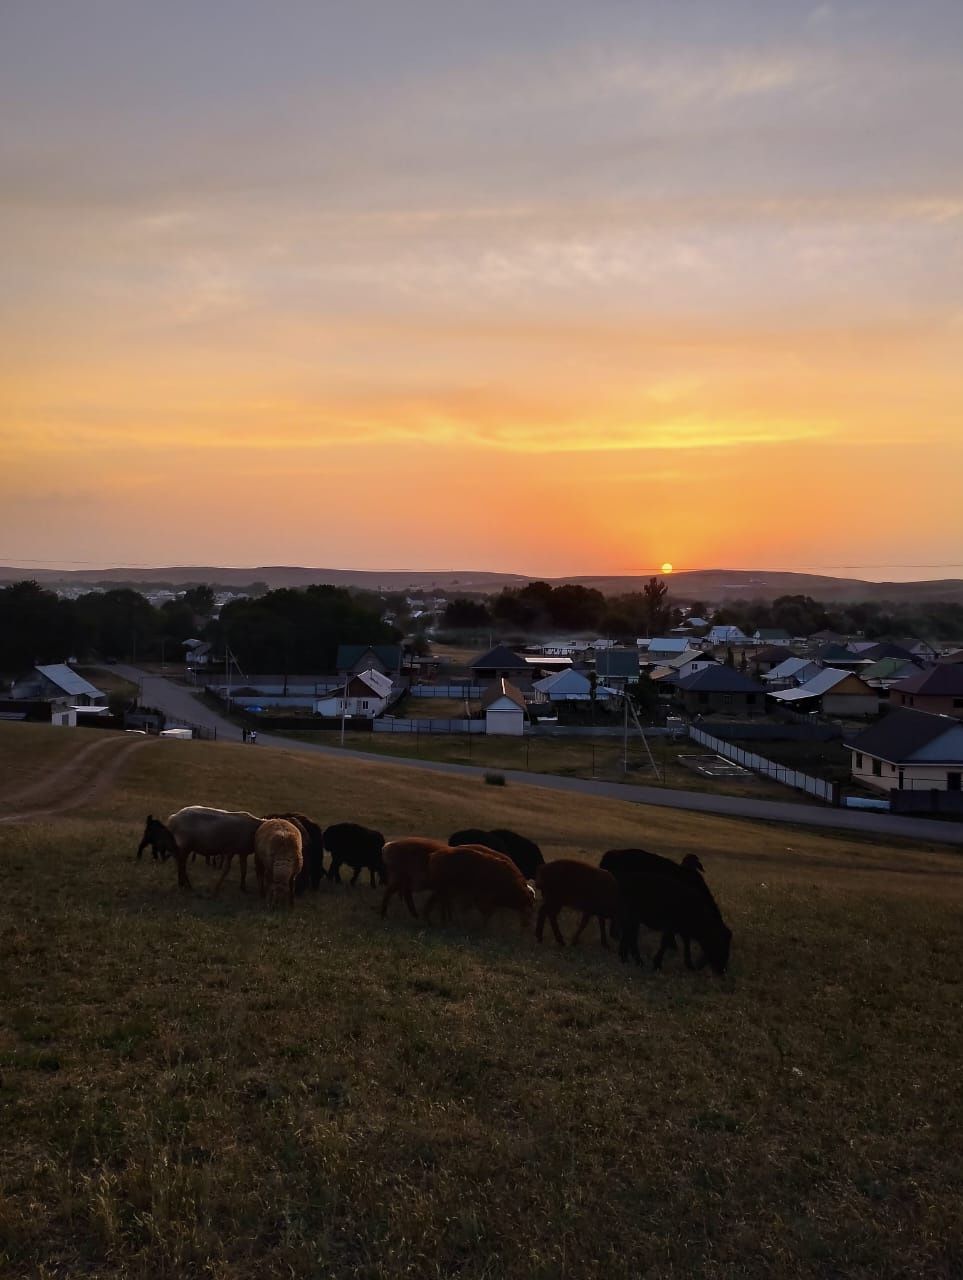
278 858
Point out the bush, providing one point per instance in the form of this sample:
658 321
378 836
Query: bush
495 779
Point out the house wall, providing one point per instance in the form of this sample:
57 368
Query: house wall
849 704
509 723
700 703
941 706
916 777
369 706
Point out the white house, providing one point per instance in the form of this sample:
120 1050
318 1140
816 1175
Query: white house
720 634
504 708
366 694
909 750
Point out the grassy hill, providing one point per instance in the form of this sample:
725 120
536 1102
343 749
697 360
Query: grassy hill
190 1085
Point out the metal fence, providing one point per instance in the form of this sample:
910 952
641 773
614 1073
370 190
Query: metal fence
399 724
817 787
446 691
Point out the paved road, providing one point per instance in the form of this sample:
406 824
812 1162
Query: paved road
177 701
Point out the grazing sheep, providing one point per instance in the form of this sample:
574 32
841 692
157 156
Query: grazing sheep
568 882
629 862
406 863
161 841
357 846
312 848
475 876
525 853
277 859
213 833
670 906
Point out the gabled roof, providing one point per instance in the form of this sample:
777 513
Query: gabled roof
501 658
718 679
789 668
376 681
569 681
668 644
772 653
690 655
722 631
389 654
904 734
836 653
66 678
503 689
618 663
939 682
822 683
889 668
886 649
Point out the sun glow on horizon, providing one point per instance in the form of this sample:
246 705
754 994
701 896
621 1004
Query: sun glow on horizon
667 568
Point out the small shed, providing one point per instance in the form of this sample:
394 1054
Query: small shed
504 708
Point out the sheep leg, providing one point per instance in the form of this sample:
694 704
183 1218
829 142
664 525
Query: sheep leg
334 872
391 890
410 901
371 874
657 958
227 867
687 952
586 917
182 878
629 941
602 932
354 878
243 857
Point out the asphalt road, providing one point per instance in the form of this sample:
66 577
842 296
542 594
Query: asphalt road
178 702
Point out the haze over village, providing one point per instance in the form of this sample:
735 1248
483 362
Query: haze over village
481 639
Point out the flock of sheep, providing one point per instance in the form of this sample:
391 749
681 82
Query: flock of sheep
484 870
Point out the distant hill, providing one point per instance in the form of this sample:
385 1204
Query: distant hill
713 585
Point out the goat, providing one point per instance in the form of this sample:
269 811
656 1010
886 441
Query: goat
568 882
670 906
213 833
359 847
477 877
406 863
525 853
277 859
312 849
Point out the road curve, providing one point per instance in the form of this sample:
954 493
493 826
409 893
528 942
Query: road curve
177 701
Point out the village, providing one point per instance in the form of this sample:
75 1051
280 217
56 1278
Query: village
839 719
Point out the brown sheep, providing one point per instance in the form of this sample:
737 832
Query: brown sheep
567 882
406 868
277 859
475 876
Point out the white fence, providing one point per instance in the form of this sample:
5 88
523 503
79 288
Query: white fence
399 724
446 691
818 787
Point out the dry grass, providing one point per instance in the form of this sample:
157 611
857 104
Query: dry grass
194 1086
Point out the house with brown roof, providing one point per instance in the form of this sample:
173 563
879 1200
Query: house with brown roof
939 690
832 692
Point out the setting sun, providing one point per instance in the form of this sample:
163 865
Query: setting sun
667 568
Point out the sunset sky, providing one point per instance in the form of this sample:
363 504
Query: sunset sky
544 287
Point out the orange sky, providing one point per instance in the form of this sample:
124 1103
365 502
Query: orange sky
635 294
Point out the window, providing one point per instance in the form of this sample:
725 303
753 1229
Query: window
859 761
953 781
877 769
750 699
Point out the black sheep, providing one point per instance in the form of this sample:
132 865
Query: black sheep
312 849
359 847
160 840
623 862
670 906
525 853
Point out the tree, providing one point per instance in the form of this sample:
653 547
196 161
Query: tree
466 614
200 599
36 626
656 606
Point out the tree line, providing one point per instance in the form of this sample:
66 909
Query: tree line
801 615
540 607
284 631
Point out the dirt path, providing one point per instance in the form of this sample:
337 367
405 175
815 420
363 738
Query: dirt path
83 779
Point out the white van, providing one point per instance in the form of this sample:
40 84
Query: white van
177 733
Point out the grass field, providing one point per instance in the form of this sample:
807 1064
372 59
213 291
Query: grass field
191 1086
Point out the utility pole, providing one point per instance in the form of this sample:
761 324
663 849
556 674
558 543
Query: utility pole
344 704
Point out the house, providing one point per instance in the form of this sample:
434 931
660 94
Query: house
952 658
661 647
884 649
687 662
498 662
504 708
939 690
364 693
909 749
617 667
719 688
198 655
791 672
771 656
885 672
56 682
826 637
772 635
572 686
919 649
723 635
833 692
385 658
841 657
